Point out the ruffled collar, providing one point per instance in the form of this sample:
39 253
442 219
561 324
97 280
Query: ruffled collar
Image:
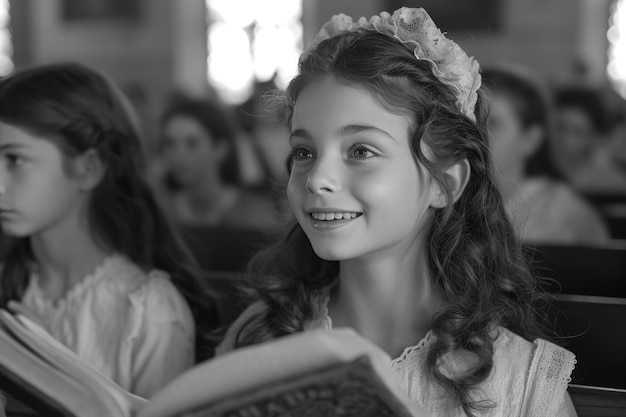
76 291
409 352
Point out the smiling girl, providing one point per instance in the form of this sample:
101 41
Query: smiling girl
401 233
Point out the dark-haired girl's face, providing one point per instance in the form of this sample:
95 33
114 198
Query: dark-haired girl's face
355 187
36 191
190 153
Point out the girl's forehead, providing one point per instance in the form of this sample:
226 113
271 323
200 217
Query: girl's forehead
330 105
10 134
17 138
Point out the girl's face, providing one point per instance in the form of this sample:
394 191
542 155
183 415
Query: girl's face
36 192
189 151
355 187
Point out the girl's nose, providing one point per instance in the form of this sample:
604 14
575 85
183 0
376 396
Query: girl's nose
324 177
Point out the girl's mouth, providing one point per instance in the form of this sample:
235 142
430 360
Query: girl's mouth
332 220
324 216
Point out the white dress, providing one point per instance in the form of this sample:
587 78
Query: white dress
528 379
133 326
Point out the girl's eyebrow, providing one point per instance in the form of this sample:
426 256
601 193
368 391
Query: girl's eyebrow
10 146
356 129
344 131
300 133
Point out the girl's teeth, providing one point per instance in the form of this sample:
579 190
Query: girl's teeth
333 216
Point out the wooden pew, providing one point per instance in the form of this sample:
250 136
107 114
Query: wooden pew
588 310
594 329
597 401
579 270
221 248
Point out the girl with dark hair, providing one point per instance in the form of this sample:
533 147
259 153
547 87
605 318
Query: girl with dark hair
92 258
401 233
541 206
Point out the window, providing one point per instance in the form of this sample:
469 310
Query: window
250 41
6 45
616 36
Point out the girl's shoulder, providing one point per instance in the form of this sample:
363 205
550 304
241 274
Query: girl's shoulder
546 369
527 378
538 372
539 360
147 290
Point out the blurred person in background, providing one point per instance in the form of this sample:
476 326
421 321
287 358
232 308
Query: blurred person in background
581 125
201 170
605 174
267 134
543 208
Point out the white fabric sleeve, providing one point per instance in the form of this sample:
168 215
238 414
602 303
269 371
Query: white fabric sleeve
566 407
162 334
548 377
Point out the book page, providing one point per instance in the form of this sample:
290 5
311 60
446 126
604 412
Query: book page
21 366
68 362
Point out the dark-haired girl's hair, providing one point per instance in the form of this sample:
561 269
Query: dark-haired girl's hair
475 258
532 107
79 109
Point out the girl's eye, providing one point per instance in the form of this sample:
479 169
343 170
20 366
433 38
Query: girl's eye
301 154
361 152
13 161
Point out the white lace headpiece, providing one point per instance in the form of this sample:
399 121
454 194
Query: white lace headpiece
416 30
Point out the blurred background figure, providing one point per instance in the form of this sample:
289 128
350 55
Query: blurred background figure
605 172
581 125
541 206
201 170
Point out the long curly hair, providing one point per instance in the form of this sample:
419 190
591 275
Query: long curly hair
474 256
79 109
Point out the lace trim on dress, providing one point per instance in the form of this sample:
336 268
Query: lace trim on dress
410 351
75 291
548 378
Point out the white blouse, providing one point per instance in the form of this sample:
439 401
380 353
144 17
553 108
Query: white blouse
133 326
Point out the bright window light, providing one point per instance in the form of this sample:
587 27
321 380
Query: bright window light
250 40
229 62
6 44
616 35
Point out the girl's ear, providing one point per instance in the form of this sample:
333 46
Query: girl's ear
89 169
456 178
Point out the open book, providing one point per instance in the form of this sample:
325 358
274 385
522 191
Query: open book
313 374
46 376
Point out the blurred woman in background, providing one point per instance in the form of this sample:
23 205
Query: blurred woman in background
543 209
202 171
